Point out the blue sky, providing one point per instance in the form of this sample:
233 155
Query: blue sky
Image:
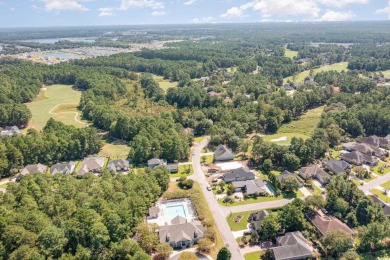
22 13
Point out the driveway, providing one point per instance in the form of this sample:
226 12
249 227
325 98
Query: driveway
218 214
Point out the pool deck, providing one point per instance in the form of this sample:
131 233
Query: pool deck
166 213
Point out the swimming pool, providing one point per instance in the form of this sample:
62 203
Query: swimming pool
270 189
176 210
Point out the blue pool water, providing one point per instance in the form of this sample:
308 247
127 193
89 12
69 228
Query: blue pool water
176 210
269 187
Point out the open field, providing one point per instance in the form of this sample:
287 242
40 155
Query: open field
386 73
4 186
253 256
115 151
303 128
243 222
164 83
301 76
59 102
290 54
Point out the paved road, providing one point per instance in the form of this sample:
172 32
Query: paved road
216 210
372 184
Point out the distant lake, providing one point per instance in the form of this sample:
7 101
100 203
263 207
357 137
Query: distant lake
54 40
61 55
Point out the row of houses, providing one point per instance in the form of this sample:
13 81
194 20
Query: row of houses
294 245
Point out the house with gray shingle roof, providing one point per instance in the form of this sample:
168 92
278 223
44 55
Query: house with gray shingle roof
292 246
9 131
91 164
180 234
251 187
337 166
256 218
223 153
285 174
173 167
240 174
31 168
121 165
358 158
385 206
314 171
64 168
155 162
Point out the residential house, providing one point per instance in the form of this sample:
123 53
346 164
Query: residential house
63 168
204 80
121 165
314 171
153 163
31 168
282 177
215 94
212 169
240 174
287 87
376 141
91 164
153 212
311 82
326 223
180 233
385 206
251 187
173 167
357 158
337 166
349 146
368 150
188 130
292 246
336 90
256 218
223 153
9 131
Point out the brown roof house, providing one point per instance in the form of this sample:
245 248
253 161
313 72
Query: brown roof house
314 171
91 164
286 174
121 165
180 233
376 141
31 168
326 223
292 246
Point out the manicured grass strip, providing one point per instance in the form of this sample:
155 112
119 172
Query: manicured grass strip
386 185
283 138
380 194
385 167
115 151
253 256
164 83
4 186
237 226
184 171
317 190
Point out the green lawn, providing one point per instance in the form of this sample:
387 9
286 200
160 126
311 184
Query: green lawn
370 179
199 139
376 168
253 256
59 102
209 159
261 199
242 224
164 83
380 194
386 73
115 151
290 54
303 128
386 185
317 190
184 170
301 76
4 186
335 154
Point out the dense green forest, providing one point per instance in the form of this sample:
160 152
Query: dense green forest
60 216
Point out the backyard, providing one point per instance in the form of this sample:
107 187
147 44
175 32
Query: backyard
184 171
253 256
59 102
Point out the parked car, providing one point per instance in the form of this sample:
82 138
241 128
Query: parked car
208 188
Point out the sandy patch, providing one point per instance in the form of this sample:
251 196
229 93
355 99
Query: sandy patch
280 139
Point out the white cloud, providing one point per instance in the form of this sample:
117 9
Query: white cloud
337 16
149 4
190 2
63 5
233 13
204 20
309 9
384 10
159 13
106 11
